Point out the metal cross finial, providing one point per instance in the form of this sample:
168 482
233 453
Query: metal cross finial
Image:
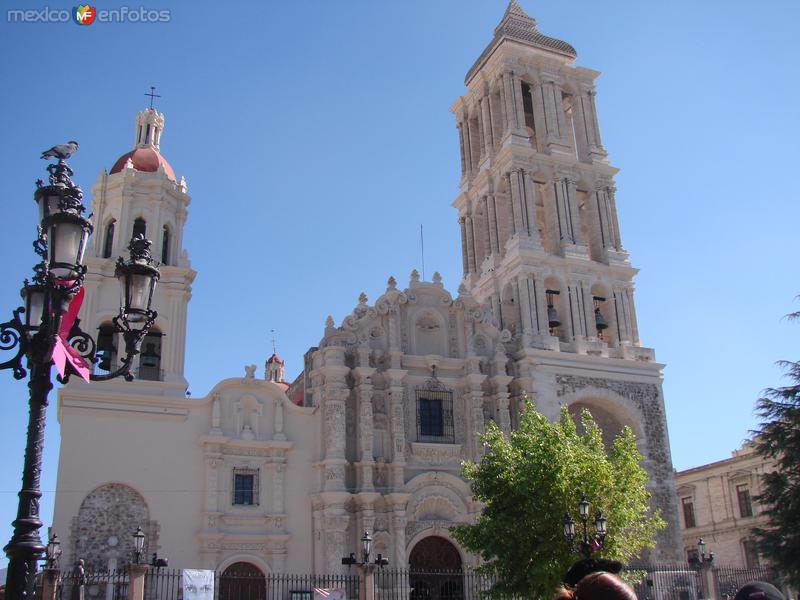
272 331
152 95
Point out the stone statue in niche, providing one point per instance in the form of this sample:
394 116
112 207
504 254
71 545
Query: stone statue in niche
248 412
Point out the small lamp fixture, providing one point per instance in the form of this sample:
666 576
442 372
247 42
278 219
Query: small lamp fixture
366 546
138 277
34 294
600 524
569 528
138 544
701 547
583 507
53 551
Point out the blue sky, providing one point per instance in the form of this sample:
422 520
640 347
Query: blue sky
315 138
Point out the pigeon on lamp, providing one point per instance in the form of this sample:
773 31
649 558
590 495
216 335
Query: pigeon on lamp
62 151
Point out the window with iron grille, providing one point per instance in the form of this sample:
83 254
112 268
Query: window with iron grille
435 413
245 487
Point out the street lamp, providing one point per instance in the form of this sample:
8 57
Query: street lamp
49 334
366 551
589 543
53 552
701 559
138 545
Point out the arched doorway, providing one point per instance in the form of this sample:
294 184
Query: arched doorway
242 581
435 570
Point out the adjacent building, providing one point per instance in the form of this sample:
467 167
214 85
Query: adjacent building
718 503
285 478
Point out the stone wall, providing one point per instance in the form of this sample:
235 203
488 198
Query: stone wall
102 532
646 399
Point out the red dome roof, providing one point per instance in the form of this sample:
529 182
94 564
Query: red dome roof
274 358
145 159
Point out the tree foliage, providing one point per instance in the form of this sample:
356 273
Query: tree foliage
527 483
778 438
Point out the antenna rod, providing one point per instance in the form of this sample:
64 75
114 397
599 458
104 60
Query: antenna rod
422 245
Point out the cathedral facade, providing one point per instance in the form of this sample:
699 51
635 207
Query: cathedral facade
370 436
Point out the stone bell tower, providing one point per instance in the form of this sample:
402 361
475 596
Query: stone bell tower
140 194
541 244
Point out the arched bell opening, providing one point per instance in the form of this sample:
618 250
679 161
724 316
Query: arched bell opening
557 309
509 305
605 323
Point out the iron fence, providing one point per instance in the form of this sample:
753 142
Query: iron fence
651 582
728 580
678 581
105 585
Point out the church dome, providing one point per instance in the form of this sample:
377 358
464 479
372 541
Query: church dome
275 358
146 159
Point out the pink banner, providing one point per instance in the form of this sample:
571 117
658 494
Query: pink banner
62 351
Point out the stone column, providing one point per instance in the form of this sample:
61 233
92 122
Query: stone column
461 149
468 145
494 114
465 262
213 462
539 120
49 583
632 313
136 574
471 267
588 309
515 193
583 135
473 408
562 205
396 392
597 148
491 203
475 142
529 198
603 219
279 473
487 238
502 398
365 426
486 117
335 427
573 317
527 305
540 295
621 315
335 535
518 106
398 526
513 102
612 207
574 214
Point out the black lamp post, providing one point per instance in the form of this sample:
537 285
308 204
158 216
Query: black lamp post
588 543
61 244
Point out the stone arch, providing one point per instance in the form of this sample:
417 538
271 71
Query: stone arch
435 566
429 333
610 415
102 530
258 562
243 579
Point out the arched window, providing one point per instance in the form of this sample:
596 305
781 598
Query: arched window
106 347
165 246
140 226
150 359
109 240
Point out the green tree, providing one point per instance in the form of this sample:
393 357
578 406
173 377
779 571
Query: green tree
527 483
778 438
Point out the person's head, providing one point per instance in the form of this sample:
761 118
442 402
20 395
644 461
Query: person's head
598 586
758 590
